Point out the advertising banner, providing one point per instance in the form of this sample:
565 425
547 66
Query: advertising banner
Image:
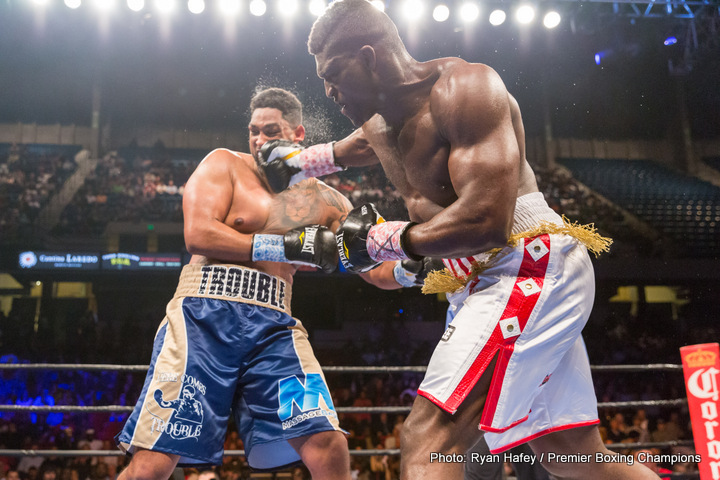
701 365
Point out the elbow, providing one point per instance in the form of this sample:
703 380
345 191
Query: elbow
192 247
363 149
498 230
499 237
483 237
193 243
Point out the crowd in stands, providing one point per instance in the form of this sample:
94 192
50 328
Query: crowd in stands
144 187
28 180
147 185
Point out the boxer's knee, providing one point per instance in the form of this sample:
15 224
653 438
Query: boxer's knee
325 454
149 465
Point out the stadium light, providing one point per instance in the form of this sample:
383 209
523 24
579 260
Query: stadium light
497 17
412 9
525 14
469 12
287 7
165 6
317 7
551 19
229 7
379 4
196 6
441 13
73 3
104 5
258 7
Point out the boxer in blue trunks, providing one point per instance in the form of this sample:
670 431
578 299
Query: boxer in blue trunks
228 343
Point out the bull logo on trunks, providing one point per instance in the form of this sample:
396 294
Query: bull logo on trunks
293 395
187 417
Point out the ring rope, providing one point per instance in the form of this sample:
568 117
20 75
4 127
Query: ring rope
386 409
350 410
241 453
346 369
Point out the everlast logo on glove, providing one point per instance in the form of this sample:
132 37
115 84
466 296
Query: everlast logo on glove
351 238
343 251
308 242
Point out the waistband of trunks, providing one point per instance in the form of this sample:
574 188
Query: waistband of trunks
236 284
532 210
533 217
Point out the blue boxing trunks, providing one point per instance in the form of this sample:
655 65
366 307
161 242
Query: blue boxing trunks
228 344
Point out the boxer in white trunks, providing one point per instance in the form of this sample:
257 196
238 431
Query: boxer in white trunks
450 138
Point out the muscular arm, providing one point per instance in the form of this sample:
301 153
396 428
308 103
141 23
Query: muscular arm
354 151
206 202
472 111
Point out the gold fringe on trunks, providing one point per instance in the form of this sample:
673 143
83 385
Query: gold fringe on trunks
443 281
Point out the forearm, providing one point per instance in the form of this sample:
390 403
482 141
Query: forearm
354 151
312 245
382 277
220 242
453 234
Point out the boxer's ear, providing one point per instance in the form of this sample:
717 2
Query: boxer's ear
367 55
298 134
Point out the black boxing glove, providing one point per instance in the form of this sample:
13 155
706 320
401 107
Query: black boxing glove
286 163
412 273
351 238
312 245
365 239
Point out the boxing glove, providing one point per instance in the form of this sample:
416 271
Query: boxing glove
365 239
312 245
286 163
412 273
351 238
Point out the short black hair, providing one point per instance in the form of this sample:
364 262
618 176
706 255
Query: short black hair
350 24
283 100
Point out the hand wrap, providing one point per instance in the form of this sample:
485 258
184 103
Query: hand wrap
385 242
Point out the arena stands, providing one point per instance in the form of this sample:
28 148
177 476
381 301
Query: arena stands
130 184
647 208
30 175
683 207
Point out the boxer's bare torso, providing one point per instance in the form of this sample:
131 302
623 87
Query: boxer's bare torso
227 188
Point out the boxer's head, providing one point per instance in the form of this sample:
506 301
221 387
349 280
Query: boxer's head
275 114
188 392
356 48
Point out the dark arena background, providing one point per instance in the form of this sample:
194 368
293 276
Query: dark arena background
106 108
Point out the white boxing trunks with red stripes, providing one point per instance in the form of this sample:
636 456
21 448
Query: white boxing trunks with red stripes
527 309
